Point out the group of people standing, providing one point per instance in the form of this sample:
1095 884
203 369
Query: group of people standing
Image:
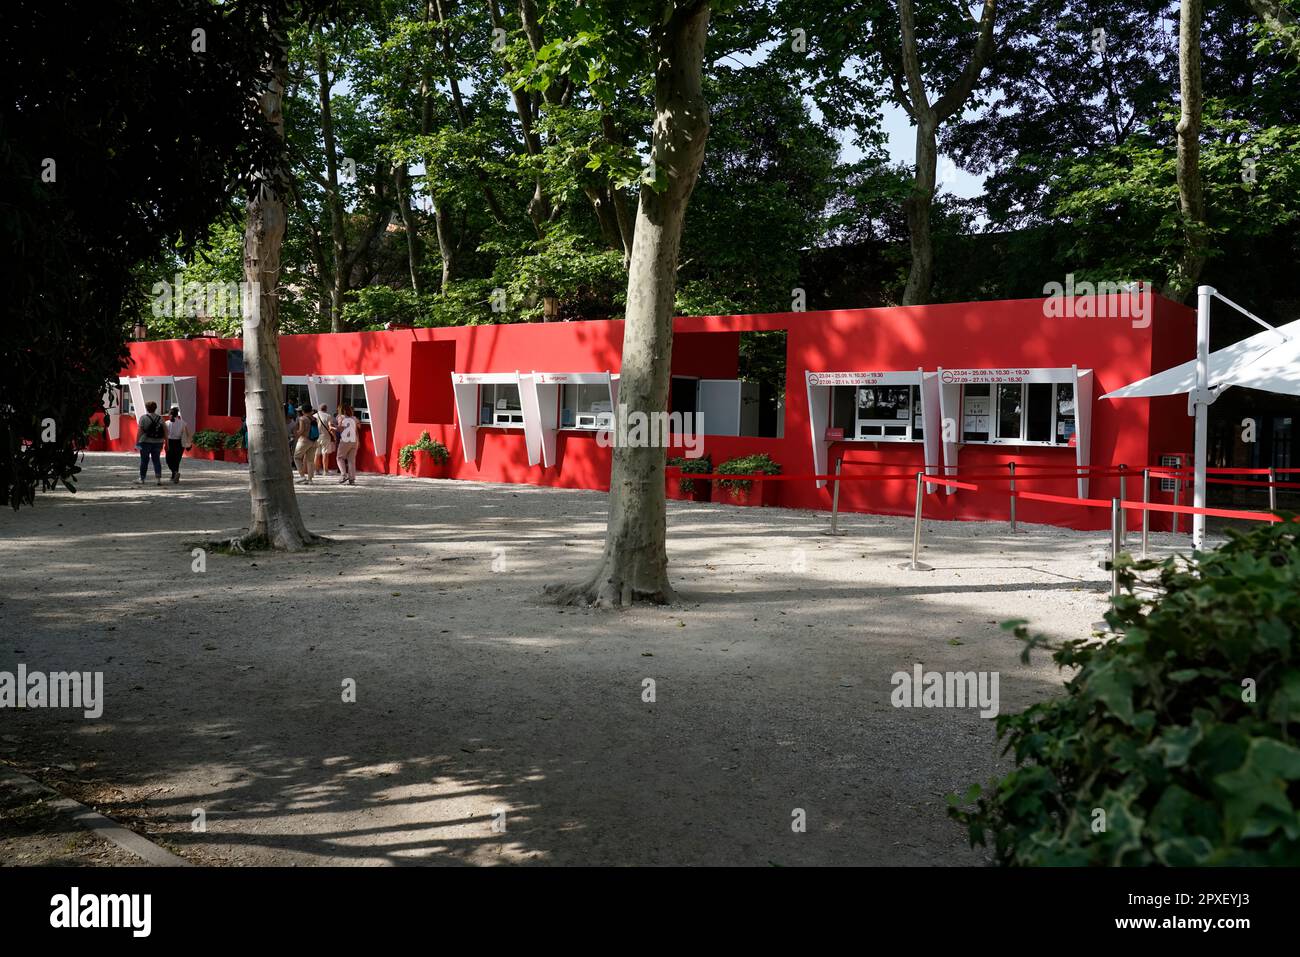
316 435
154 432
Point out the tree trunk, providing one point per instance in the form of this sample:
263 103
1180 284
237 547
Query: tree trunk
402 179
634 565
446 250
333 199
1191 199
275 521
909 89
917 207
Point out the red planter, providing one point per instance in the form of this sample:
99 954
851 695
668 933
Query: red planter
212 455
758 493
426 467
237 455
701 489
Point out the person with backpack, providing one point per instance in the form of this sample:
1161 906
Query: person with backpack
151 433
326 446
349 432
307 433
179 438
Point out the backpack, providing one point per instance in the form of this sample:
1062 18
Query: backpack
153 426
313 433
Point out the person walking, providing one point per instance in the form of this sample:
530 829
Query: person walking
349 433
307 432
326 446
179 438
151 433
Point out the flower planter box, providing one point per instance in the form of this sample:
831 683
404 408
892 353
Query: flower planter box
701 489
426 467
237 455
758 493
212 455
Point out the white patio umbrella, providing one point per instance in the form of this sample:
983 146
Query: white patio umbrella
1268 360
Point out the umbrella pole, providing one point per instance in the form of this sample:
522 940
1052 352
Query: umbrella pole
1200 402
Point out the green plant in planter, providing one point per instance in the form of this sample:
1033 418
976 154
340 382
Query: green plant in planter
1180 731
210 439
233 441
758 464
701 466
425 443
94 430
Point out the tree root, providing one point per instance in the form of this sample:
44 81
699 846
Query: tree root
609 591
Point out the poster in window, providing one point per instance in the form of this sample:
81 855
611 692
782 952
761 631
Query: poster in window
976 413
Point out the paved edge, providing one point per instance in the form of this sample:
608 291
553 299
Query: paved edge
105 827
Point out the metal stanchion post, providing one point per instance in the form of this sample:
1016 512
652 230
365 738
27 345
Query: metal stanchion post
916 565
1272 489
835 498
1012 466
1146 513
1178 484
1116 514
1123 517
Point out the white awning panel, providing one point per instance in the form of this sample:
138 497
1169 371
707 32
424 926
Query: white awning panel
1268 360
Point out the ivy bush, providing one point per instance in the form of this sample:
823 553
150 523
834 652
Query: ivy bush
425 443
1173 743
210 439
758 464
701 466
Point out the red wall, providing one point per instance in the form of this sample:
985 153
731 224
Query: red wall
962 335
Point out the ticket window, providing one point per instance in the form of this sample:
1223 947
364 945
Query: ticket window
297 395
586 406
878 413
499 405
354 394
1018 413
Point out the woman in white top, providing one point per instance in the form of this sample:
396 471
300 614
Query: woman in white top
179 438
349 438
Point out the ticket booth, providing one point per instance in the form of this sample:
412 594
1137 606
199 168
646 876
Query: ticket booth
1016 407
554 402
366 394
492 400
874 406
166 390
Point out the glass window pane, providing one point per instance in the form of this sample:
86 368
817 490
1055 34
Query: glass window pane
1065 413
1038 414
1009 410
976 413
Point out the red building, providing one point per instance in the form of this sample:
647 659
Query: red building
1011 380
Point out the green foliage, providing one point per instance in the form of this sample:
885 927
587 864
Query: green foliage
234 440
425 443
1179 731
211 439
758 464
701 466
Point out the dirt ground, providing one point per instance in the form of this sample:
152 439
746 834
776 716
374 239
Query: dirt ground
480 706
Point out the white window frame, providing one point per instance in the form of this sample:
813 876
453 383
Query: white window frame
913 412
509 418
995 415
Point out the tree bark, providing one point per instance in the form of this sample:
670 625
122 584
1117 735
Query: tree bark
402 180
1191 199
909 89
333 200
1281 22
275 521
634 564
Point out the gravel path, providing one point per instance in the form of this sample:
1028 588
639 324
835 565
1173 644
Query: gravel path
477 703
